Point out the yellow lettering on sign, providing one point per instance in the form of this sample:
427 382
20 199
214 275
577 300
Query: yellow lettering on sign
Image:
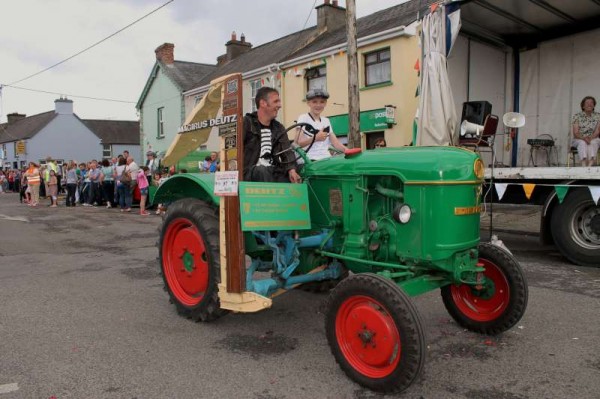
467 210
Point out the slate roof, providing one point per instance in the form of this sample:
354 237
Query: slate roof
260 56
115 132
25 128
402 14
182 73
185 74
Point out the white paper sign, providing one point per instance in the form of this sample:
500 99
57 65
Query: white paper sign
226 183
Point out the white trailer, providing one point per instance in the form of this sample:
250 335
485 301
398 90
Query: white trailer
539 58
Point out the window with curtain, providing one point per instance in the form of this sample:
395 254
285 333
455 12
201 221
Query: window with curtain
377 67
161 123
254 86
316 78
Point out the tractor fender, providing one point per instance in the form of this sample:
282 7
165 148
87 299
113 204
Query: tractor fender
187 185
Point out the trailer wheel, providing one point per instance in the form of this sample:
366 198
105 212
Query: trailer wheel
375 333
575 228
499 304
189 259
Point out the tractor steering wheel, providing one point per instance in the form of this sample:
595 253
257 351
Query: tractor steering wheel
308 128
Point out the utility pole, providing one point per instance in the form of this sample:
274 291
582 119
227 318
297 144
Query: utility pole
353 100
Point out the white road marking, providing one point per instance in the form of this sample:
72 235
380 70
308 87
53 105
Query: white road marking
15 218
6 388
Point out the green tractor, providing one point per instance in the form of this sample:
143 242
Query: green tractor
379 226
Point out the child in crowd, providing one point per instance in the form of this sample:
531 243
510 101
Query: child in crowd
53 188
142 182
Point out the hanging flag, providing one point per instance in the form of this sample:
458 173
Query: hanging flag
417 92
595 191
324 59
528 188
283 73
500 189
417 65
278 75
561 192
262 82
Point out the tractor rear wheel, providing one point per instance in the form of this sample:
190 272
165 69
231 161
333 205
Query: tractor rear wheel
189 259
499 303
375 333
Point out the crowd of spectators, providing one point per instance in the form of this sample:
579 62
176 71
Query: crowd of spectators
109 183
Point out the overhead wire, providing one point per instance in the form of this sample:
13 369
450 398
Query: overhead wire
309 14
92 46
71 95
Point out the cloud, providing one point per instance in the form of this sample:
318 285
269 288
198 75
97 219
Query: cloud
39 33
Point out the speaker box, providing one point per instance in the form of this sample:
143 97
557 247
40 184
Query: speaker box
476 111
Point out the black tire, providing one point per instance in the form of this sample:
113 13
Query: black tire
490 311
367 321
575 228
192 278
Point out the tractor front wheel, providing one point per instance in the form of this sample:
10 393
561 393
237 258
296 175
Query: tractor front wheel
498 303
189 259
375 333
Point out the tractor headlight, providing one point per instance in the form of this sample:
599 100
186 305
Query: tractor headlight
478 169
402 214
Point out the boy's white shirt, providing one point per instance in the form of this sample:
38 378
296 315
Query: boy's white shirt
320 149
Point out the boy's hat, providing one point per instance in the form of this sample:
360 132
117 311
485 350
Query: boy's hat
314 93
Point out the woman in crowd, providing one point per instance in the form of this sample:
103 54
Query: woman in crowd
210 163
380 143
71 179
586 129
108 184
123 190
53 188
33 183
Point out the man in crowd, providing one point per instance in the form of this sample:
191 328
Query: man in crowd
94 189
268 156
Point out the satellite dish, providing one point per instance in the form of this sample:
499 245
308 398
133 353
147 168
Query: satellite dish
470 130
513 119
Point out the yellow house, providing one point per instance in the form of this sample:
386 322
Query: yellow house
387 53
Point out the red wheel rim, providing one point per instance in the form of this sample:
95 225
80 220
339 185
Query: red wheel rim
185 262
478 307
367 336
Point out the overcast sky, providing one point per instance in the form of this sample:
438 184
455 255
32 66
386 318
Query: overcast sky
36 34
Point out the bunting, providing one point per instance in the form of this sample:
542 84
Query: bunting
528 188
561 192
500 189
560 189
595 191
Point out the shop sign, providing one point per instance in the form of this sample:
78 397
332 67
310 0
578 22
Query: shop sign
372 120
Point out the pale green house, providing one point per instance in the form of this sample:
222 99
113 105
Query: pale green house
161 104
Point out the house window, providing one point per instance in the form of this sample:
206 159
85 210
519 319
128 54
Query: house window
377 67
254 86
161 123
106 151
316 78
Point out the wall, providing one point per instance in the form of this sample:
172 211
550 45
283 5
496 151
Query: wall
404 53
134 151
162 93
554 78
478 72
65 137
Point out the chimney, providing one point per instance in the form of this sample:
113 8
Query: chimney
165 53
63 106
234 48
14 117
330 16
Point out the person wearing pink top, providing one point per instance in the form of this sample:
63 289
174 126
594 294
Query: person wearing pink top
142 183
